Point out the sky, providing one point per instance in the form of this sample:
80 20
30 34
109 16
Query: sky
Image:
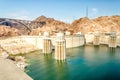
64 10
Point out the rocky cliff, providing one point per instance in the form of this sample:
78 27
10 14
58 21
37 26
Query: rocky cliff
108 23
101 24
7 31
49 24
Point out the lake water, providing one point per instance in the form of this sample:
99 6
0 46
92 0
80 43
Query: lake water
83 63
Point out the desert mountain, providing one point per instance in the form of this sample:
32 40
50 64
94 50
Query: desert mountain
42 23
7 31
108 23
15 23
84 25
101 24
49 24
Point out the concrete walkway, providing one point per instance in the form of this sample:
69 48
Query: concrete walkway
9 71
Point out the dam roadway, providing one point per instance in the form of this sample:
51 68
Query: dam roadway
9 71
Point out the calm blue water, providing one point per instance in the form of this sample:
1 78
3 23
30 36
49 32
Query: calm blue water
83 63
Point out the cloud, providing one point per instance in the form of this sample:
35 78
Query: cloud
20 15
94 11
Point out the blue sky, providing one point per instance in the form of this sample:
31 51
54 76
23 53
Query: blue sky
64 10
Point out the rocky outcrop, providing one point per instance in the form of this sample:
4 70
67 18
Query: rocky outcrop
108 23
7 31
20 61
84 25
16 45
100 24
49 24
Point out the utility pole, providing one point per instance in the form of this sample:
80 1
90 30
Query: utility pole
87 11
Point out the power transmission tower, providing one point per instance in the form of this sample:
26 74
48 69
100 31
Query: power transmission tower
87 11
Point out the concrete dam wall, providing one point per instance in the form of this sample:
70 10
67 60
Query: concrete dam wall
103 39
71 41
25 44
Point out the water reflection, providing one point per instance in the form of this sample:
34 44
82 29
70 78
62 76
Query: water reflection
112 52
96 49
113 55
58 69
89 53
61 70
48 67
48 58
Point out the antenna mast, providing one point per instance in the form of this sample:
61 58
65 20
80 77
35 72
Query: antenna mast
87 11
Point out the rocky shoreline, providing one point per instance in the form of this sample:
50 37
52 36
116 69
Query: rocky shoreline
19 61
11 47
16 45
